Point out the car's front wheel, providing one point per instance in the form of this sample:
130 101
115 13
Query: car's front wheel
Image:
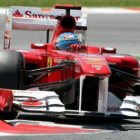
11 75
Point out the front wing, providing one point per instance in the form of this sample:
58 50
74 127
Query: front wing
48 103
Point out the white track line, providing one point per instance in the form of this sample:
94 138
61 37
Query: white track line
51 124
2 11
109 11
97 11
5 134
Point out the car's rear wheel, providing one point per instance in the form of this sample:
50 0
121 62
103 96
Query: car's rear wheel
11 75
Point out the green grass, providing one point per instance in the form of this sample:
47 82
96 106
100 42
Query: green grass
138 57
86 3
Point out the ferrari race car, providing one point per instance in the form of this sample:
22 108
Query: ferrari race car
76 80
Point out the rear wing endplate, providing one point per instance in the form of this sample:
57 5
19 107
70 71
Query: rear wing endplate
8 29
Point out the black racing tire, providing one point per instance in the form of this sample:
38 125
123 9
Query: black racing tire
9 115
11 69
11 75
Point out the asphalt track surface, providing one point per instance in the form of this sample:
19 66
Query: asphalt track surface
116 30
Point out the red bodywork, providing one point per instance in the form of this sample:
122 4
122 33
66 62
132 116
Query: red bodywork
6 99
90 62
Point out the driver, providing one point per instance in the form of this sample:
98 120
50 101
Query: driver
65 40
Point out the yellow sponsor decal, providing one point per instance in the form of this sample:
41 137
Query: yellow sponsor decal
49 62
95 59
14 91
98 63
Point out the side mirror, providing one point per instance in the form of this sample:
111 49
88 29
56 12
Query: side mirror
108 50
38 46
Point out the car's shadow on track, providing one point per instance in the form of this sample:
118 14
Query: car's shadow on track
85 123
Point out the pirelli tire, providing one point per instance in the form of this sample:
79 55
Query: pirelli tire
11 75
11 69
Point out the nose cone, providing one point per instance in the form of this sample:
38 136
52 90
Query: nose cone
95 65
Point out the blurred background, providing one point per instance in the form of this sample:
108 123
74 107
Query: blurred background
86 3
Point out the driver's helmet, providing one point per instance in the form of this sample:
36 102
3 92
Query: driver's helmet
65 40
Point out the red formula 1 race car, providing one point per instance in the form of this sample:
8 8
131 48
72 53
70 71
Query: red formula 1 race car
64 76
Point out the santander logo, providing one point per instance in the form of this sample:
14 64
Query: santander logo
34 14
17 14
29 14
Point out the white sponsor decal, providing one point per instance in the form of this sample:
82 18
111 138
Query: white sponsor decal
21 92
77 69
58 60
97 67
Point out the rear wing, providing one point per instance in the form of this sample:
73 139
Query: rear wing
30 18
36 19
